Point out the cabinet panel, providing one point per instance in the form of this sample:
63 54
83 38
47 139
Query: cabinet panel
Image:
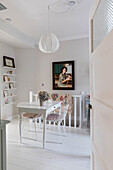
2 148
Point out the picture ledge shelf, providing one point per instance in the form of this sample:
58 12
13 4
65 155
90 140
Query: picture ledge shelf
10 68
9 81
9 104
5 74
9 96
9 89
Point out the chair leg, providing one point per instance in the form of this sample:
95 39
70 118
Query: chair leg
29 125
63 128
64 131
59 129
49 125
35 128
39 123
64 121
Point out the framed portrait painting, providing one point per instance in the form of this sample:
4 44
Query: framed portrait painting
8 62
63 75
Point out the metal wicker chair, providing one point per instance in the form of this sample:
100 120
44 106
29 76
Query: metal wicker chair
57 118
34 117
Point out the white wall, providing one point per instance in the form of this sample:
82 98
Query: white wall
26 60
35 68
6 50
77 50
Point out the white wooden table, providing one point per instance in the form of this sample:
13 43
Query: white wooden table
35 108
80 109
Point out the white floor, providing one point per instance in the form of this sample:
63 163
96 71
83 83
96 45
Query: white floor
72 154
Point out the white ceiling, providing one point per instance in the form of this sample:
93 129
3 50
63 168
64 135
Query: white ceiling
13 41
30 17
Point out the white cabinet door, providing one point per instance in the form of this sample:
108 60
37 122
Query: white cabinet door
3 147
1 150
101 86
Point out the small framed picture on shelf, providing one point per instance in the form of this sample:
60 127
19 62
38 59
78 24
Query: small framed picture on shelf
11 85
5 93
5 78
6 101
8 79
10 72
8 62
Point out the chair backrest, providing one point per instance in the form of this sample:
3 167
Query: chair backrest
65 109
64 98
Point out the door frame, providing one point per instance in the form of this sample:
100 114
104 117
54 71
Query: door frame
91 16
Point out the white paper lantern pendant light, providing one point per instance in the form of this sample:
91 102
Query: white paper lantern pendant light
48 42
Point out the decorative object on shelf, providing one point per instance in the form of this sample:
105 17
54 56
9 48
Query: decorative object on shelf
48 42
5 78
10 72
8 85
63 75
8 62
43 96
11 85
6 101
5 93
8 79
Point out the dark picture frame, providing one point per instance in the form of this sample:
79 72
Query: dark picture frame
57 68
8 62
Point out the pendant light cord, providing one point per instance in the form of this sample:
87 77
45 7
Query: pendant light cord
48 20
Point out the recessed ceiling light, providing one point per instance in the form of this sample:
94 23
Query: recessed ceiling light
71 3
8 19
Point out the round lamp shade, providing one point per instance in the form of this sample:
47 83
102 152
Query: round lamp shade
48 43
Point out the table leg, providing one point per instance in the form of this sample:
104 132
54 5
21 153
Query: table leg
20 127
44 116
